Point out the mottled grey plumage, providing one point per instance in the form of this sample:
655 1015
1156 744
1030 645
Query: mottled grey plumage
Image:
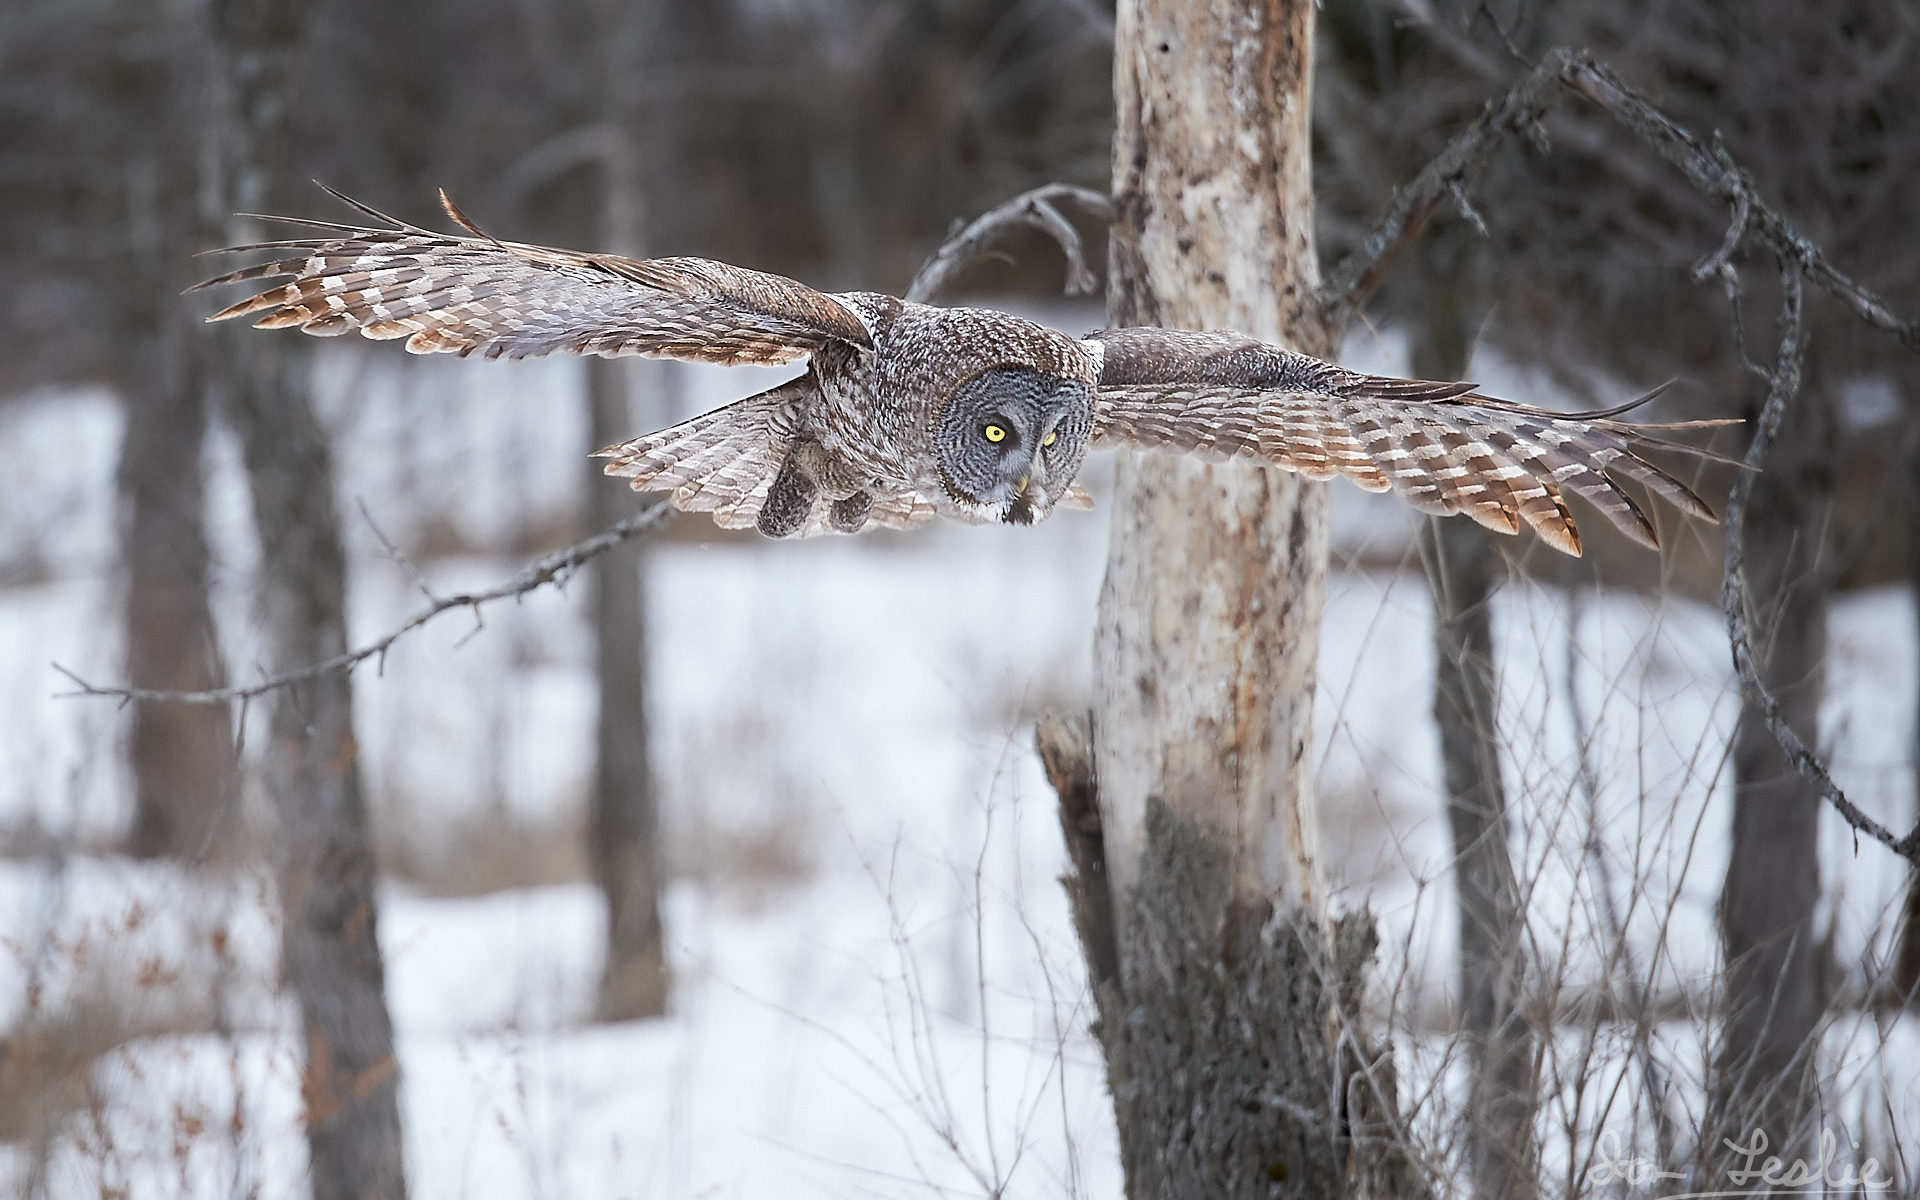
909 411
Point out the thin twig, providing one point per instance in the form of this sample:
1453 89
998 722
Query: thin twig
396 555
1720 261
556 568
1037 209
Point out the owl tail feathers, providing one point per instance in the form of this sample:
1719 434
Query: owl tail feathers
721 462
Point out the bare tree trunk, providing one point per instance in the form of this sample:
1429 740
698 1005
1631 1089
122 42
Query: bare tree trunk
626 854
324 864
1463 568
634 982
1906 961
1462 563
181 754
1763 1071
1221 997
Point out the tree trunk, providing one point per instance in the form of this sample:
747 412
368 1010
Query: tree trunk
1221 998
626 855
1906 959
1463 566
1498 1125
1763 1071
324 863
634 982
181 754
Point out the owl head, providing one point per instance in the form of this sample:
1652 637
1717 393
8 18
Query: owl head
1011 441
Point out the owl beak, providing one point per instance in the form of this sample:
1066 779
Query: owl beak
1020 511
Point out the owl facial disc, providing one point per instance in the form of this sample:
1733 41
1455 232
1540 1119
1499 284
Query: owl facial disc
1012 440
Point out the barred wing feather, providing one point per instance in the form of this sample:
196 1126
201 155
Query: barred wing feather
1440 446
476 294
723 462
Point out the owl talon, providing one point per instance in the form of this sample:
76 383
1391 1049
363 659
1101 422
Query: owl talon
849 515
790 499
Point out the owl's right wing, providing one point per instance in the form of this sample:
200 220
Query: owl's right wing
449 293
1438 445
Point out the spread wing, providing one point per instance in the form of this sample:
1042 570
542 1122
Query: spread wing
723 462
1440 446
467 294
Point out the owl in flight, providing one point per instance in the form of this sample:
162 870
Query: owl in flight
908 412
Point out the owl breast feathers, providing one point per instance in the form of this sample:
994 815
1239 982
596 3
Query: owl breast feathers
907 411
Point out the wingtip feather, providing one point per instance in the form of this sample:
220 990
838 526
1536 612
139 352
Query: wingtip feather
252 304
369 210
461 219
1570 544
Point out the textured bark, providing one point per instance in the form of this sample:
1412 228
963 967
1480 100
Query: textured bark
1065 746
1210 612
1463 568
626 854
1224 1072
330 952
1763 1074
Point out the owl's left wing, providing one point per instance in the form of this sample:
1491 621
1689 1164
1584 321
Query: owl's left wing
725 462
444 292
1440 446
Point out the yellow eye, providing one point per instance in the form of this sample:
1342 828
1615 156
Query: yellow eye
1050 439
995 433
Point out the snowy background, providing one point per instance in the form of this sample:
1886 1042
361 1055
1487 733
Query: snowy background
877 990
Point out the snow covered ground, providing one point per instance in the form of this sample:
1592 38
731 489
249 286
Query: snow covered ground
877 988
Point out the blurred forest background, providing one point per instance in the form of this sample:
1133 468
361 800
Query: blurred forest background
781 797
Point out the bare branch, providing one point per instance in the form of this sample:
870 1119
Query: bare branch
1037 209
1455 168
1713 171
1785 383
1709 168
1721 260
556 568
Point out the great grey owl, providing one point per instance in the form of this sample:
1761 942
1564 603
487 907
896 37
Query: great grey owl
909 411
